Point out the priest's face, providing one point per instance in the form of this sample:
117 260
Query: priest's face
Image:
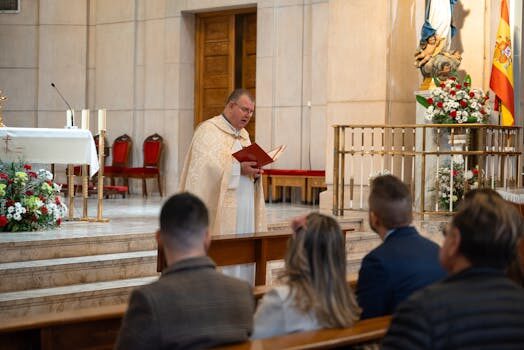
240 112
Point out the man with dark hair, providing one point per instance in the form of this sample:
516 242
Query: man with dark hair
477 306
404 262
191 305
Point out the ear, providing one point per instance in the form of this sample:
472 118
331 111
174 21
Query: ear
207 240
158 238
374 220
454 240
520 251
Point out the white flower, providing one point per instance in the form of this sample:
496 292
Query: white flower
469 174
17 217
18 205
9 216
10 209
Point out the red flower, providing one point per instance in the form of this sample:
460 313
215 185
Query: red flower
475 171
58 221
455 173
471 94
430 101
57 200
4 176
482 111
452 78
3 221
34 218
440 104
29 193
10 203
466 84
452 92
44 210
32 174
453 114
42 198
463 103
442 85
458 86
49 182
27 167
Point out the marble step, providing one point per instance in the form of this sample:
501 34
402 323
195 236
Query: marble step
33 247
35 274
58 299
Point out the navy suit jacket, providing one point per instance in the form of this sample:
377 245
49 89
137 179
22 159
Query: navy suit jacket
404 263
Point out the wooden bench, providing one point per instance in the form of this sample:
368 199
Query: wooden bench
90 328
280 179
258 248
370 330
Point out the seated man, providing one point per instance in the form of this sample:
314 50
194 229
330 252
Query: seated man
477 306
191 305
404 262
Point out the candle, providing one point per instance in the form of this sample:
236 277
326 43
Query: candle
69 118
101 119
85 119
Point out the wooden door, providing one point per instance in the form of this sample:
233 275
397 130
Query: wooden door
225 60
215 57
248 64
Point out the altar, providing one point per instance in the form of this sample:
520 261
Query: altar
46 145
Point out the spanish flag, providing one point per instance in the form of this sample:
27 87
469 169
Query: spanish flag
501 81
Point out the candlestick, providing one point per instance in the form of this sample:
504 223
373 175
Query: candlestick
69 118
101 119
85 119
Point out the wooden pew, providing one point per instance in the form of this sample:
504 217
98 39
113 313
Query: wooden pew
90 328
258 248
370 330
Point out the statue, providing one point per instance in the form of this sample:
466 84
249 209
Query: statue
2 98
433 56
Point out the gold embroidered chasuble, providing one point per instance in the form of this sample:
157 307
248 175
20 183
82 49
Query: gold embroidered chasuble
207 172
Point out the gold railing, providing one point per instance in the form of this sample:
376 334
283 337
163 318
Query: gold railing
462 156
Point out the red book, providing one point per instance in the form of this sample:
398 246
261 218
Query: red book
254 153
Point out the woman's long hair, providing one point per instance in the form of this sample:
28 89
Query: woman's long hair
316 272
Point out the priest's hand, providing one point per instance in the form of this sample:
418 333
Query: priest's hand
250 169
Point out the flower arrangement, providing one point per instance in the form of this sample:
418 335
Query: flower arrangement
454 102
463 181
29 200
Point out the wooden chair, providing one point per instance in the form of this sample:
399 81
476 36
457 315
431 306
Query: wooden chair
121 149
152 149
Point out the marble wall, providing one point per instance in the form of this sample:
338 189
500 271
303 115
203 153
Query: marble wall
319 62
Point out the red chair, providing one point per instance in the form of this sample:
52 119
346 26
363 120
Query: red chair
121 149
153 147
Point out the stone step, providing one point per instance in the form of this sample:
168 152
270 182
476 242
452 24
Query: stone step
36 274
27 247
73 297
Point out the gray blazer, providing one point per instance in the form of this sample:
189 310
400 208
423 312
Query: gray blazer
191 306
276 315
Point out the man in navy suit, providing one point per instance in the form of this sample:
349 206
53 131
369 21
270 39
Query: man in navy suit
405 262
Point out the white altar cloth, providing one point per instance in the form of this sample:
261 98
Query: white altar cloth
42 145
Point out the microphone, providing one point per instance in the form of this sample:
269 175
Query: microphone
63 99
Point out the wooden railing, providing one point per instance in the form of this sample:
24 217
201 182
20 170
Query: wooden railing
97 328
419 154
366 331
258 248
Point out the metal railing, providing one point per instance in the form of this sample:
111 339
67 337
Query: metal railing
439 162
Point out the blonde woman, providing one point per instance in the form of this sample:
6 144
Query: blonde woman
314 293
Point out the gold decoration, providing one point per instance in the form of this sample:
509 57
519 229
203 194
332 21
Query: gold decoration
2 98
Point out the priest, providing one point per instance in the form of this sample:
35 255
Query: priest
232 191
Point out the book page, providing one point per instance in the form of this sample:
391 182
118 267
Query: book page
277 152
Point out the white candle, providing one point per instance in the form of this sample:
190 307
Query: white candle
85 119
101 119
69 118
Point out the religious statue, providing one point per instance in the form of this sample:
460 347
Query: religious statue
433 56
2 98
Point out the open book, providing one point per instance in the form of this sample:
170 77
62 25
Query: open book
254 153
